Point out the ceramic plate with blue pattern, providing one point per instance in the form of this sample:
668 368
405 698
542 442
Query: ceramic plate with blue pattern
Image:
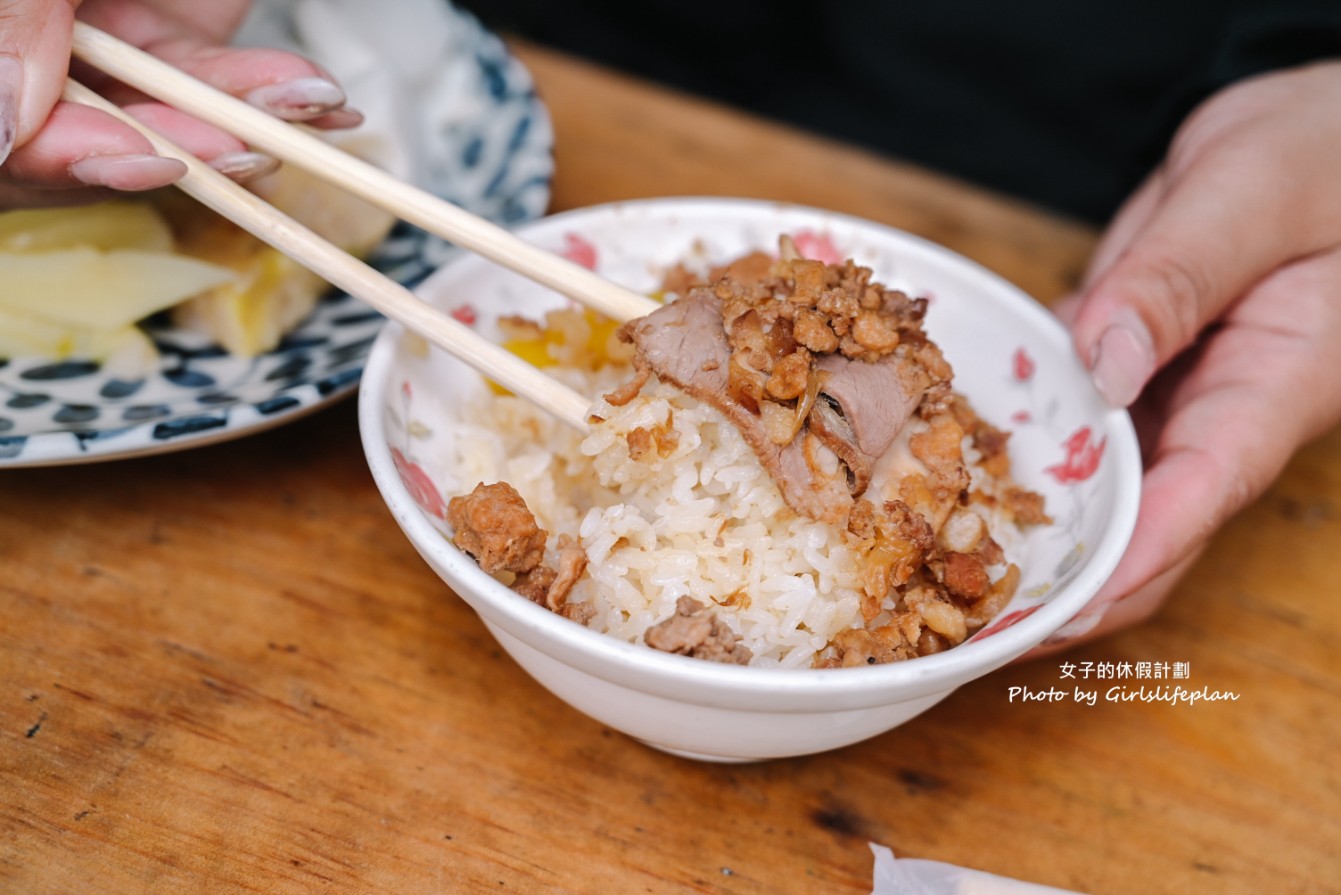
484 142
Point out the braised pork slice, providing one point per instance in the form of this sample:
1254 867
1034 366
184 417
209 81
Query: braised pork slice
862 408
685 344
818 367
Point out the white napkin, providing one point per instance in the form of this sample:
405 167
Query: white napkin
911 876
444 104
389 58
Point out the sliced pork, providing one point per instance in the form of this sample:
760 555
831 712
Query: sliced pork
818 368
685 344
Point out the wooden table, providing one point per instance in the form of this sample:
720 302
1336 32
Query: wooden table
226 670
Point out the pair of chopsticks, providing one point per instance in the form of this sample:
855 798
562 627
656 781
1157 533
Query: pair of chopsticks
294 146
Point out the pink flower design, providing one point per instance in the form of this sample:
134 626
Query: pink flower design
1020 417
817 247
465 314
1082 457
420 486
579 251
406 389
1006 621
1023 365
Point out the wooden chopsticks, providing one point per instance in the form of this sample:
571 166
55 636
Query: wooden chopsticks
288 143
358 279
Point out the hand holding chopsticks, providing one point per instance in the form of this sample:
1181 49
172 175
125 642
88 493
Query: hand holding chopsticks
358 279
286 142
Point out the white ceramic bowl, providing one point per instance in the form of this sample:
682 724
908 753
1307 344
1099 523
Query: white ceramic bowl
1011 358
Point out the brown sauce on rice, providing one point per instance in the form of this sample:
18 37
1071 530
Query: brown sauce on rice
847 405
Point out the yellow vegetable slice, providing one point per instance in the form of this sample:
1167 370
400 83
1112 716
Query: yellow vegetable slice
24 335
535 351
102 290
272 294
106 266
108 226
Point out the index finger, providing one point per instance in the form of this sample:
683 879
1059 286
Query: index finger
285 84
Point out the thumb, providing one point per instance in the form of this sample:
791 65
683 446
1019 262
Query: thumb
1202 245
34 60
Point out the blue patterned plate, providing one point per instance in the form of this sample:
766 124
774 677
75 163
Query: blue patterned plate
485 144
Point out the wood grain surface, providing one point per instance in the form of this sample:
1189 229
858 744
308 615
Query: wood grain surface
225 670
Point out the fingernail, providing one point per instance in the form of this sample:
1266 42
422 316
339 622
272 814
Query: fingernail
11 86
298 99
1124 359
338 120
127 172
243 166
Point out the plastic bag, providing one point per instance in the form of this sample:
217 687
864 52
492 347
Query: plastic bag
911 876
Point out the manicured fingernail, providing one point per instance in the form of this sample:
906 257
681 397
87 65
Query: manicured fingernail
338 120
1124 359
299 99
127 172
11 86
242 166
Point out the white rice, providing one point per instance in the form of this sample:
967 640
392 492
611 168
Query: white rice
705 521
